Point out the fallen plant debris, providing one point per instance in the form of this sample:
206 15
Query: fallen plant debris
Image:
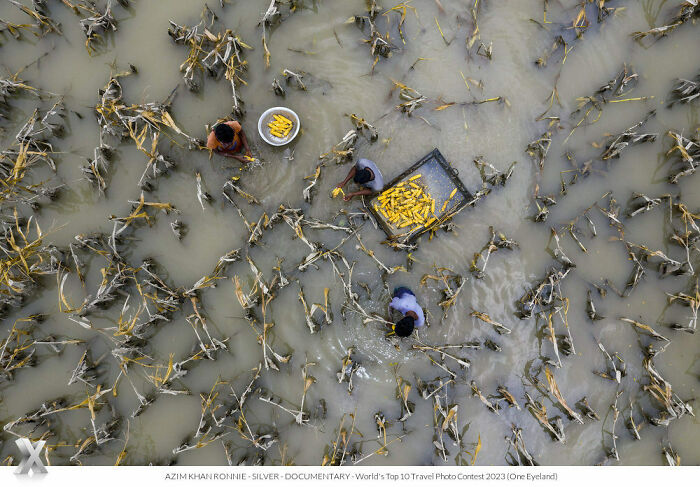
137 122
685 91
497 241
266 316
686 154
629 137
220 54
688 11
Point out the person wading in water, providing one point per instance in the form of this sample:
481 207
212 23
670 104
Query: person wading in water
404 301
366 174
227 139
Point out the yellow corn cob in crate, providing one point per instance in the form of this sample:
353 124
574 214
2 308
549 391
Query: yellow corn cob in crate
407 204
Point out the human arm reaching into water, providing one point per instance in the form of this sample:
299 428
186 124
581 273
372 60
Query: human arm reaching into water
350 175
362 192
244 139
233 156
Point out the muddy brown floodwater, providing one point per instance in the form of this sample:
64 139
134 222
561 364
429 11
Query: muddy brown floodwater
139 379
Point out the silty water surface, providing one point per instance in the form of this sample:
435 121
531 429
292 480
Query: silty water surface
345 84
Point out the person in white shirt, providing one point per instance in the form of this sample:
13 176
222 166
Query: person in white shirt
367 174
404 301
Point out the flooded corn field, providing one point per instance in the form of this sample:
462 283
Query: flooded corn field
163 304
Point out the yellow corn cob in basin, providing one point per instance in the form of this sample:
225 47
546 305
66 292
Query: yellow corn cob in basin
280 126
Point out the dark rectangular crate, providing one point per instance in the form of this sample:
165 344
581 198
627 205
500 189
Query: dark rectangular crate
440 179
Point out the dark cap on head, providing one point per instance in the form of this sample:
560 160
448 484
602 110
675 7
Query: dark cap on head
404 327
362 176
224 133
